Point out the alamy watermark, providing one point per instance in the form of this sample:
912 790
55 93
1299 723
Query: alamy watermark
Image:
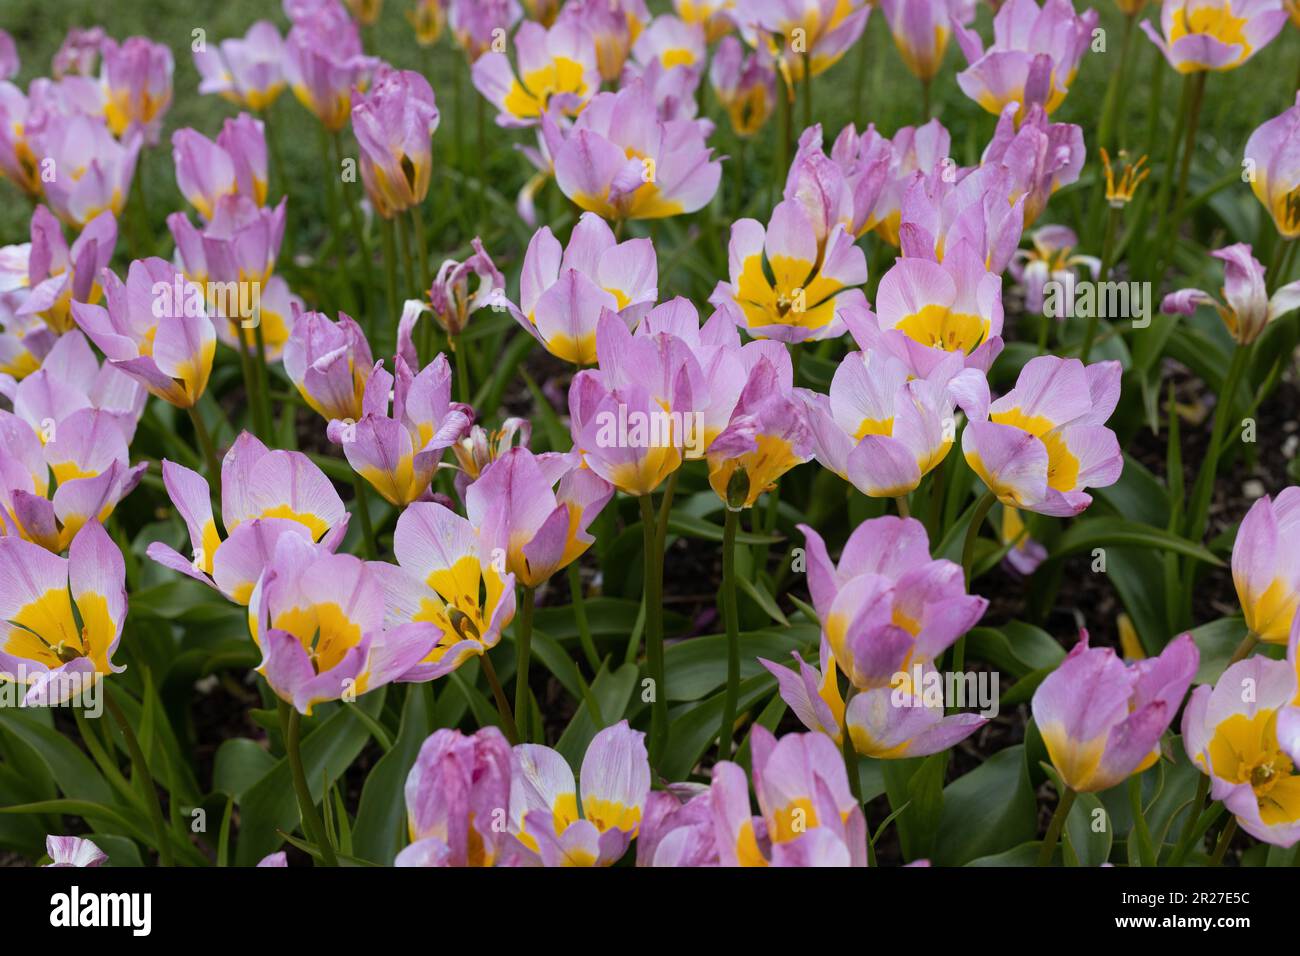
1084 299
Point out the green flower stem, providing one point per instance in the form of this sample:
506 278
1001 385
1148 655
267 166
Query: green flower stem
654 629
291 726
851 753
249 374
807 91
273 147
523 657
499 695
145 779
1244 648
1145 852
263 380
209 450
1054 828
903 510
421 250
1204 488
1107 252
982 509
1105 134
362 499
389 240
332 186
1220 848
1193 817
458 346
731 616
580 617
359 234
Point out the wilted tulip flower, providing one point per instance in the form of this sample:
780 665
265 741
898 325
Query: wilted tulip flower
481 448
921 29
615 25
1033 58
394 124
1273 154
927 311
768 434
428 18
883 429
247 71
73 851
64 615
564 291
151 330
1102 720
1214 34
745 85
448 577
457 797
544 799
137 81
816 32
809 816
71 379
1050 260
1266 566
324 63
1046 440
1246 308
57 274
265 494
483 25
323 622
556 71
86 453
90 171
1243 734
811 279
79 53
535 511
398 451
235 165
329 363
1040 157
620 161
887 606
450 297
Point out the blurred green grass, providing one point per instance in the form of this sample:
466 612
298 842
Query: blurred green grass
1236 103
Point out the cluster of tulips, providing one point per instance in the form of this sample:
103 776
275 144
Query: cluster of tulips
349 532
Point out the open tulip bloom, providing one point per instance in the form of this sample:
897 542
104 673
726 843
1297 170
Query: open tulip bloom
1046 440
264 494
603 433
63 616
